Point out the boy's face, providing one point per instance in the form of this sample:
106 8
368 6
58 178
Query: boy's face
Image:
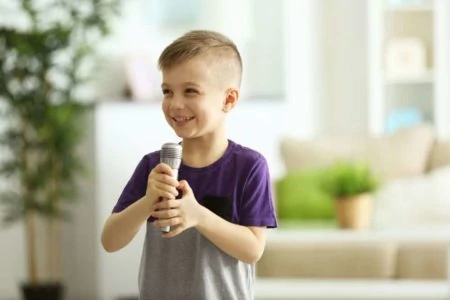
195 101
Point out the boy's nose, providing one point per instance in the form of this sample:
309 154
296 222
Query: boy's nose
177 102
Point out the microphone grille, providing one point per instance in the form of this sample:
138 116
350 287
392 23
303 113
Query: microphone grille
171 155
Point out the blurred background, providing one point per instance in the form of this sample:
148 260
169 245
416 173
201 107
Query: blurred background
348 100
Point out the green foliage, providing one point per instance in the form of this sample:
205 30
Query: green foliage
43 68
344 179
299 196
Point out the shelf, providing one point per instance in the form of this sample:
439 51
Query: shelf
425 78
429 21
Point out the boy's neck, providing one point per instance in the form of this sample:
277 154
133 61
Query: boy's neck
199 153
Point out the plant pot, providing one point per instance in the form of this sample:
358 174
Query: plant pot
354 212
42 291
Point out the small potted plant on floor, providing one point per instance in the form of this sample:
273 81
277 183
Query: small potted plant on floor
352 185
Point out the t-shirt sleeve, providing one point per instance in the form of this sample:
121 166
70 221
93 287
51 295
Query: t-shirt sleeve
257 207
135 187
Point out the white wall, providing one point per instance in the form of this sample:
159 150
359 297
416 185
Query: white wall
442 68
304 84
346 69
12 260
12 254
265 59
325 57
254 25
80 241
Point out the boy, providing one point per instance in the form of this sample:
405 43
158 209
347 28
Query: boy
224 195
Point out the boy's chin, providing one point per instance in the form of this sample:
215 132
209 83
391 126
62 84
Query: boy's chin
183 135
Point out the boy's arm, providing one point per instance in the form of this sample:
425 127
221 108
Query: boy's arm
120 228
244 243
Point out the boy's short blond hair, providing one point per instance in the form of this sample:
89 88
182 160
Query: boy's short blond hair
216 46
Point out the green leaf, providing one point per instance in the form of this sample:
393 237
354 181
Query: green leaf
344 179
45 118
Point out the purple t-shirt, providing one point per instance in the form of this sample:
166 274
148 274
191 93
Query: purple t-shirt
236 187
188 266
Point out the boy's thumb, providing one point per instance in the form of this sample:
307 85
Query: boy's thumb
185 187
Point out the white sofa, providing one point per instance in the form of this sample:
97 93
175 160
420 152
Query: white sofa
336 264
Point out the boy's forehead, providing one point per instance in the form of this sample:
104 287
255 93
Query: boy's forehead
191 69
191 63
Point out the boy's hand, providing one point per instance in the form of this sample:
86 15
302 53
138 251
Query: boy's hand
183 213
161 184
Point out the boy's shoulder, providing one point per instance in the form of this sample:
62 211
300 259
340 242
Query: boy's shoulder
246 153
246 160
152 158
154 155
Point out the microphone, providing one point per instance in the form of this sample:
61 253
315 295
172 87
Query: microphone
171 155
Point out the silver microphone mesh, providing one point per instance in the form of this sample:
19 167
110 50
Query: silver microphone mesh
171 155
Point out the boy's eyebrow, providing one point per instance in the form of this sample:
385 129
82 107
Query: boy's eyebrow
191 83
165 85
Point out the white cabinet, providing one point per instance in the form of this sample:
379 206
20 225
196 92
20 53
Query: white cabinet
408 63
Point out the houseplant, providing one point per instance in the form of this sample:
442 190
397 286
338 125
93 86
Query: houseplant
44 65
351 184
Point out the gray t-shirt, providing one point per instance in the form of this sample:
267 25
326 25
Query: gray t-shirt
237 188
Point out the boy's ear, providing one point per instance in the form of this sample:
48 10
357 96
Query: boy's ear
231 99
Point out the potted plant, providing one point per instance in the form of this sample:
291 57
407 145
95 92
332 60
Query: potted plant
42 69
351 185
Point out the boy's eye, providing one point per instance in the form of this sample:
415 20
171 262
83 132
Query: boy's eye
165 91
191 91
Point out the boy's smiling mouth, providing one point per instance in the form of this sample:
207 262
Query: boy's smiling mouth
181 120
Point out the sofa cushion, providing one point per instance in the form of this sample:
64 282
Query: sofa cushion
299 154
415 201
300 197
328 260
404 153
422 260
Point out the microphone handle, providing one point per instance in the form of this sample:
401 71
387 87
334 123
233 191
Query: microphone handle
166 229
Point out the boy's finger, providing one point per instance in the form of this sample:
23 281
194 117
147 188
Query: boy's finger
185 187
168 222
164 194
168 189
165 204
166 179
165 213
163 168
